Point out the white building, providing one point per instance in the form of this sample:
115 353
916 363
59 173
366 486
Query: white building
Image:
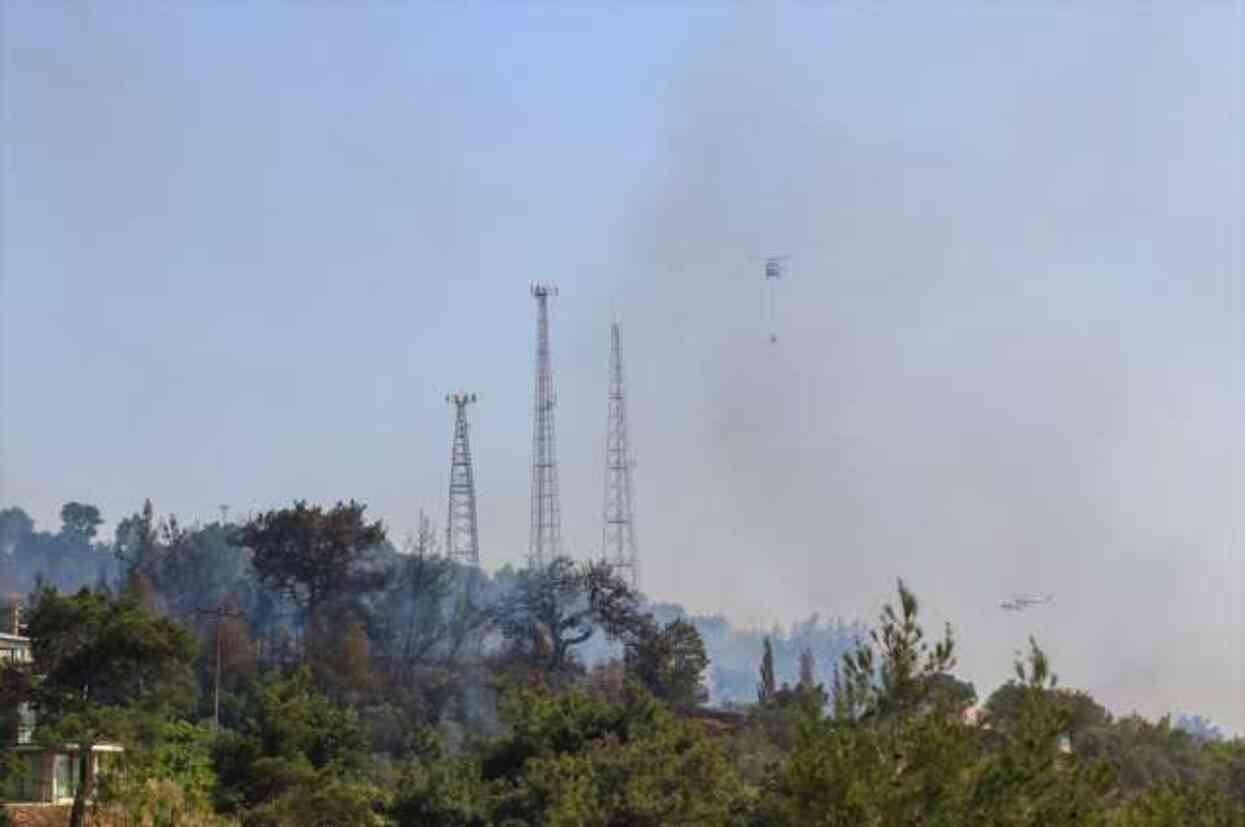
51 772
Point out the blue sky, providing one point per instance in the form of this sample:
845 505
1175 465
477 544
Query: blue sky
247 250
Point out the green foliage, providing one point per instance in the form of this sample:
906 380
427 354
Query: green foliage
392 721
902 679
1083 714
330 802
106 668
907 771
67 559
309 553
165 774
892 753
1147 753
543 724
176 751
340 660
669 661
449 792
780 712
948 693
93 651
80 521
158 803
15 527
196 569
1225 766
291 741
576 761
135 541
12 772
673 776
1032 778
899 751
1170 805
766 687
756 748
808 669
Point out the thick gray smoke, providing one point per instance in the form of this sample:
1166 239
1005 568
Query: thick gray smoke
1010 346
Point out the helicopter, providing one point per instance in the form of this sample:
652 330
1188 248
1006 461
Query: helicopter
774 270
1020 602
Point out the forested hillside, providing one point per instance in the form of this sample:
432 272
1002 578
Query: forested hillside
298 669
196 567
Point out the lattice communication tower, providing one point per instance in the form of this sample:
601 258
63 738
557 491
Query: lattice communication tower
618 542
462 539
545 539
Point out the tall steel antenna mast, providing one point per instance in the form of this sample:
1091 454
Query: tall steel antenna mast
618 543
545 540
462 540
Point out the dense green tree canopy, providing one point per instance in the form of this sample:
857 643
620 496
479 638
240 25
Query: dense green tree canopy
80 521
577 703
93 650
311 553
104 668
669 661
15 527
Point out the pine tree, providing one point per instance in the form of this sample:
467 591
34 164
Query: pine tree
312 554
766 688
808 669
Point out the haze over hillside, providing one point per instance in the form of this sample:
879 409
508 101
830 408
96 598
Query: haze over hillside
246 253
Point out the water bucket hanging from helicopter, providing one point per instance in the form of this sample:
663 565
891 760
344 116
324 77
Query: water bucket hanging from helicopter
774 272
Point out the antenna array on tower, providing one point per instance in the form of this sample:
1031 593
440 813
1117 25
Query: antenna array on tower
462 540
618 542
545 540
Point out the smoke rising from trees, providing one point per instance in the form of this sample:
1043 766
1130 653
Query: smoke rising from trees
1009 352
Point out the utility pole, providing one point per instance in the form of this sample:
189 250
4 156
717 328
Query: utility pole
618 542
220 613
462 541
545 539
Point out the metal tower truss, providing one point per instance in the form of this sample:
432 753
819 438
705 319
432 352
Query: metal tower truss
545 539
618 542
462 540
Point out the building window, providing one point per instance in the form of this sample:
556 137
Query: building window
66 769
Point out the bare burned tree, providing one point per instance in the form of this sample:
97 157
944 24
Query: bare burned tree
556 607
